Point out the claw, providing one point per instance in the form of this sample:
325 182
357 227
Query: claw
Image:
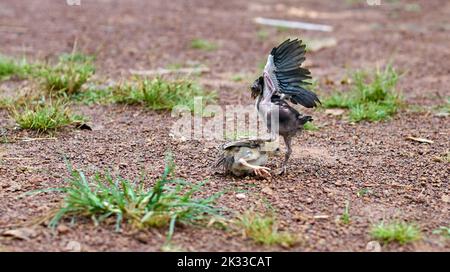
262 171
282 170
258 170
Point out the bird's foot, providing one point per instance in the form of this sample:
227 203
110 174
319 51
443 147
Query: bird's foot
262 171
282 171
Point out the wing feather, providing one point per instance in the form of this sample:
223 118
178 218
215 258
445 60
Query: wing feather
243 143
283 67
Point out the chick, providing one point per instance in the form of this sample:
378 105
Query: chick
284 80
244 157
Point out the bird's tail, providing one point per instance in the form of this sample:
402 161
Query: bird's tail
304 119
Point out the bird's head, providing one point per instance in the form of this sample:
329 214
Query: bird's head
257 87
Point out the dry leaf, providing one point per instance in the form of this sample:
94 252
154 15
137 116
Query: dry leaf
334 112
420 140
21 233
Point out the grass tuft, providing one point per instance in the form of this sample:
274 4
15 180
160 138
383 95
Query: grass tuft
310 127
400 232
203 44
45 117
6 102
443 231
160 94
68 75
94 95
263 230
10 67
345 217
444 108
104 197
363 192
371 99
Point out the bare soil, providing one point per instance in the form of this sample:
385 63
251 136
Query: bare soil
328 167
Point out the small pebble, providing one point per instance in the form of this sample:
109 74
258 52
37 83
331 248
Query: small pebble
62 229
373 246
240 196
73 246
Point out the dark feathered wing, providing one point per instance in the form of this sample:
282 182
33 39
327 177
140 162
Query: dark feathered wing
243 143
287 59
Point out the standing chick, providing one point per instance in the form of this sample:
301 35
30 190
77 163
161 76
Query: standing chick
283 80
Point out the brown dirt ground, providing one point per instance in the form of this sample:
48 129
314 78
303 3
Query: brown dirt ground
329 166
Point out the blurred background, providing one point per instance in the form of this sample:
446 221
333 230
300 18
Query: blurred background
223 35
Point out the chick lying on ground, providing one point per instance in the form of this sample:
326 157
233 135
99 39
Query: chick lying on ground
244 157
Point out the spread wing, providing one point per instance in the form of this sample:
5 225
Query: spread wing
283 74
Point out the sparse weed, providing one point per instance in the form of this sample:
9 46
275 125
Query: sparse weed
282 29
94 95
372 100
45 117
310 127
262 34
68 75
446 157
263 230
174 66
400 232
352 2
345 217
203 44
4 139
413 7
363 192
443 231
10 67
160 94
6 103
104 197
237 77
76 57
444 108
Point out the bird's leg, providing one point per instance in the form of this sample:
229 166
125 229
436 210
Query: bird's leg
259 170
287 141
